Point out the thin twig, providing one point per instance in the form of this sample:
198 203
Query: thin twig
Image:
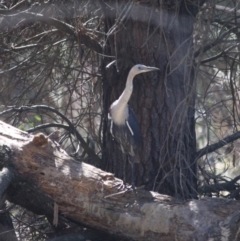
71 128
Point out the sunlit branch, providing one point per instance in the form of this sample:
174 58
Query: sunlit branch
211 148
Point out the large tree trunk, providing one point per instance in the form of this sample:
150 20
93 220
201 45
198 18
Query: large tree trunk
159 36
40 176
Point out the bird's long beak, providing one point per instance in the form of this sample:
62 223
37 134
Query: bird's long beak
148 69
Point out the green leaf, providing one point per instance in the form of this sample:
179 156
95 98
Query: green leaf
37 117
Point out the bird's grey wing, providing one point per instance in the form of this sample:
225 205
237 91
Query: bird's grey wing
133 127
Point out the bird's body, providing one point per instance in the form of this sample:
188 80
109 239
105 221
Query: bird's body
128 137
123 123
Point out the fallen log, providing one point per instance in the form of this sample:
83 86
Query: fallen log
38 175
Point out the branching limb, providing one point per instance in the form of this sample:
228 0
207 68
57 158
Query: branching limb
86 36
224 9
211 148
70 127
225 186
215 42
225 51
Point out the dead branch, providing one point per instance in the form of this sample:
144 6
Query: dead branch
70 127
85 35
213 147
44 174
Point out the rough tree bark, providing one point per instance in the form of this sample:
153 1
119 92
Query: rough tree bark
156 34
39 175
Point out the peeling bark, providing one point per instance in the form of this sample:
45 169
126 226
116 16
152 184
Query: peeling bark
85 194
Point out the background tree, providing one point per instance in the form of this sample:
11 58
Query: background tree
164 102
55 54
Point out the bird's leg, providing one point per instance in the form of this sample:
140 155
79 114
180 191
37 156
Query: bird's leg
124 170
132 161
123 185
133 175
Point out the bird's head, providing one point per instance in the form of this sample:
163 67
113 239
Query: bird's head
140 68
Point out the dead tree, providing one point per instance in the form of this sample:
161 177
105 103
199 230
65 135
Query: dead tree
38 175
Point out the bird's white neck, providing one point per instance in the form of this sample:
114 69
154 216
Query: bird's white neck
125 96
119 108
